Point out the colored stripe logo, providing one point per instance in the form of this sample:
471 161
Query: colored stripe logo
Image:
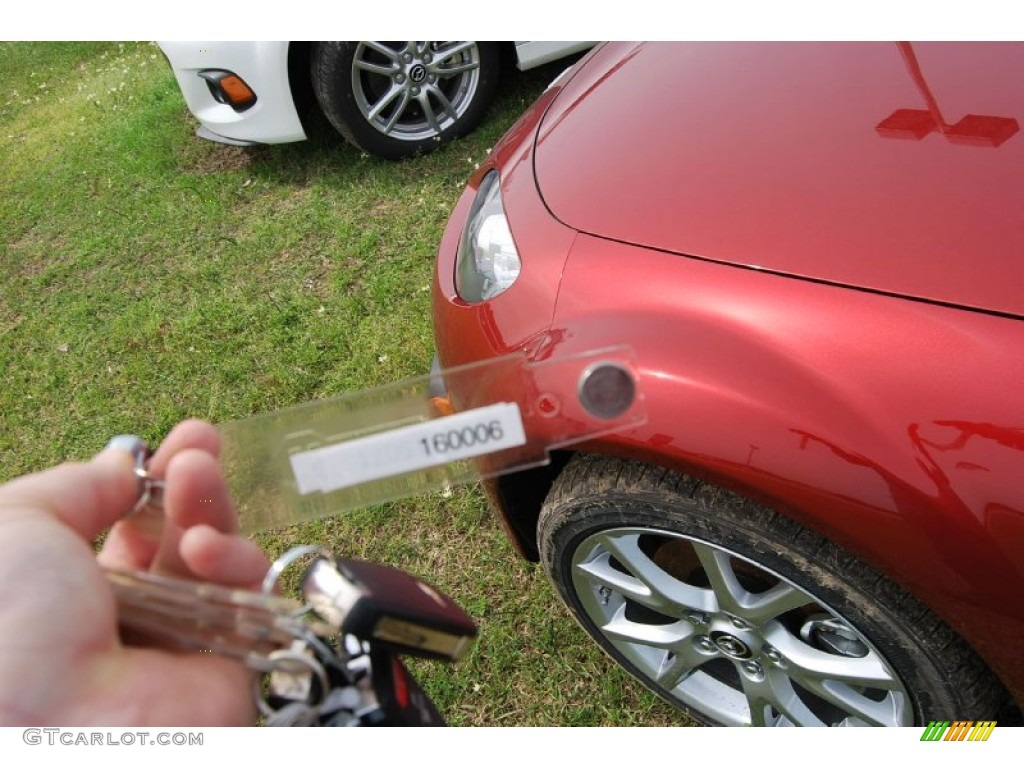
959 730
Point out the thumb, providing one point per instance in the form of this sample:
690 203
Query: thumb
86 497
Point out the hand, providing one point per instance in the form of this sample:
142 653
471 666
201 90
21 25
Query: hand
61 659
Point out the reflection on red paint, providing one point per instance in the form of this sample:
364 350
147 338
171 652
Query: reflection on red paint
971 130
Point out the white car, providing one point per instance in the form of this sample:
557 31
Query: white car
393 99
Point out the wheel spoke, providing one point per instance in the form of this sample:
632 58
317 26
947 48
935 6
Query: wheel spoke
669 592
683 661
665 636
758 700
428 111
757 608
718 567
600 571
455 49
760 608
377 69
889 711
808 665
398 112
445 104
776 690
442 70
680 656
384 102
383 50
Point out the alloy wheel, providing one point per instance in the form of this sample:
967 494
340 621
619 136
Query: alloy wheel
415 90
728 638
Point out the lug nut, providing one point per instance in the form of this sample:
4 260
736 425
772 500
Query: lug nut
753 668
772 655
399 78
705 644
698 618
739 623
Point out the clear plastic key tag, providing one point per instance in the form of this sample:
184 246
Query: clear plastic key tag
422 434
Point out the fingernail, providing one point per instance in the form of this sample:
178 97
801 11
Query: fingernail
115 456
131 444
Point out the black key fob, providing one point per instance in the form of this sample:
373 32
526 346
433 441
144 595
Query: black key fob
401 699
389 608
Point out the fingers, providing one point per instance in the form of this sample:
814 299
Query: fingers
129 546
198 521
222 558
188 434
194 494
87 498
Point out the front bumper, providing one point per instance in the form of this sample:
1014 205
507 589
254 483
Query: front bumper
205 133
273 119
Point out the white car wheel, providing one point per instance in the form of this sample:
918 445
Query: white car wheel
399 99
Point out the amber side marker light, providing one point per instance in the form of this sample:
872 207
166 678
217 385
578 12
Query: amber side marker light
228 88
441 406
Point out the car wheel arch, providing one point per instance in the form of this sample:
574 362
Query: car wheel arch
755 411
827 506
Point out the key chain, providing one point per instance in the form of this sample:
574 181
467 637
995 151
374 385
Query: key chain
331 661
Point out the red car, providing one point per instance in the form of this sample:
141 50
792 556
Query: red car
816 254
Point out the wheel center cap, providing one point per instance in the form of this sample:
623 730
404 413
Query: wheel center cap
730 645
417 73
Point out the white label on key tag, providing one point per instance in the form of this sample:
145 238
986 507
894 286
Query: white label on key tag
407 449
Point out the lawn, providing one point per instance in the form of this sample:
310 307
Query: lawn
149 276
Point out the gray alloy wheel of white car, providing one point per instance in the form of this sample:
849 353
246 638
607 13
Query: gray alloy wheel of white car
399 99
741 617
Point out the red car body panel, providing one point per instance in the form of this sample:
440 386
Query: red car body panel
814 186
893 427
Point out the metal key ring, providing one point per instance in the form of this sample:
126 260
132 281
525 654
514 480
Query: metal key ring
293 555
151 489
289 661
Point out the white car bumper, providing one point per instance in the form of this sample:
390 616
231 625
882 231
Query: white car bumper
273 119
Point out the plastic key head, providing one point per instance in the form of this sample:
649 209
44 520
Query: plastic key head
389 608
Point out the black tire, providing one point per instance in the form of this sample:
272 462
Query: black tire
440 90
606 520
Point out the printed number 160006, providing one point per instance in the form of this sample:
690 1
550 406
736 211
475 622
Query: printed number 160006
466 437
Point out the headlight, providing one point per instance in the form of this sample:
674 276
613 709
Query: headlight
488 262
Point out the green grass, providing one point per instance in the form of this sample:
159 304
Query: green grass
149 276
